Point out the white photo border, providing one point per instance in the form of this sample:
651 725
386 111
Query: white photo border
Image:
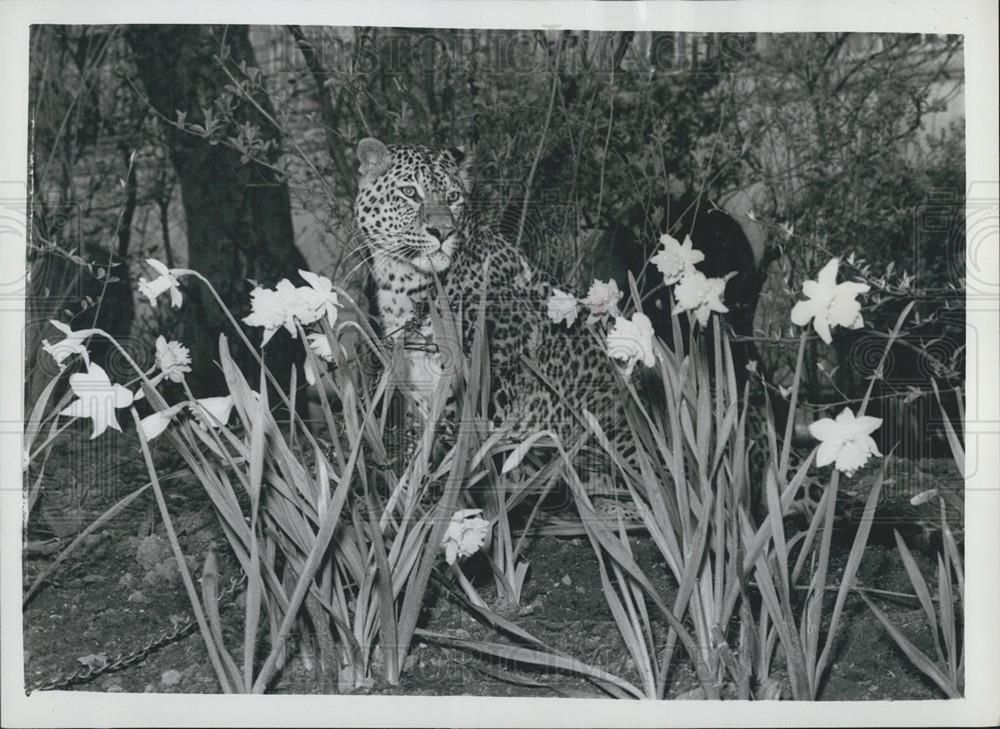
976 20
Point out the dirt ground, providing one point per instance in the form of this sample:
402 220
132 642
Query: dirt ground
122 587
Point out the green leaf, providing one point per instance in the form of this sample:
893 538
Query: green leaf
535 658
850 571
916 656
513 460
921 590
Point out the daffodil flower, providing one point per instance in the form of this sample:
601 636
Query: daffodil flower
280 307
267 310
846 442
173 359
321 296
320 345
830 304
701 295
214 411
97 399
632 341
166 281
155 423
562 307
466 534
72 344
676 259
603 300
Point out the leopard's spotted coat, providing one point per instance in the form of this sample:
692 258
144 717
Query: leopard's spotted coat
412 211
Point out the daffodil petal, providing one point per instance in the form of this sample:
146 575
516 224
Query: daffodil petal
822 327
871 445
812 290
803 312
160 268
823 429
827 453
122 396
75 409
827 278
153 425
866 424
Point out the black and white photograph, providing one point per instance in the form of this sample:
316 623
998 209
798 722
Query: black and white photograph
425 361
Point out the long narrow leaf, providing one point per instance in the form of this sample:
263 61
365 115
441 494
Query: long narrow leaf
922 591
182 567
210 597
916 656
535 658
255 588
850 571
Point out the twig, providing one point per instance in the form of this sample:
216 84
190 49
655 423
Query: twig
246 94
125 213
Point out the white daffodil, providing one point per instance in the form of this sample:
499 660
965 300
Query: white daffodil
632 341
166 281
173 359
72 344
320 295
846 442
154 424
280 307
320 345
214 410
603 300
700 294
562 307
267 310
97 399
676 259
466 534
830 304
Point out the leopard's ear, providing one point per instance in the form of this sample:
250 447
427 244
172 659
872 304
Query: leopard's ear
464 161
374 157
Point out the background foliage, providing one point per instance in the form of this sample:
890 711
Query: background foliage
230 149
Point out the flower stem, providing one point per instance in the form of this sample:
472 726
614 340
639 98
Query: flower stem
182 567
253 350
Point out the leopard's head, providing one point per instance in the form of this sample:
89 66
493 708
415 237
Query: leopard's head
410 204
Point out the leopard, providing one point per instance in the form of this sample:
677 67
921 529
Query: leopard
413 213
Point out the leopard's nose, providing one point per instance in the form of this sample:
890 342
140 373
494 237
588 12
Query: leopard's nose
437 233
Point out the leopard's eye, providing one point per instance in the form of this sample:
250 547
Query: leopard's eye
454 196
409 191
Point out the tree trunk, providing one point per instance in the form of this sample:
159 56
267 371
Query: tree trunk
238 213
